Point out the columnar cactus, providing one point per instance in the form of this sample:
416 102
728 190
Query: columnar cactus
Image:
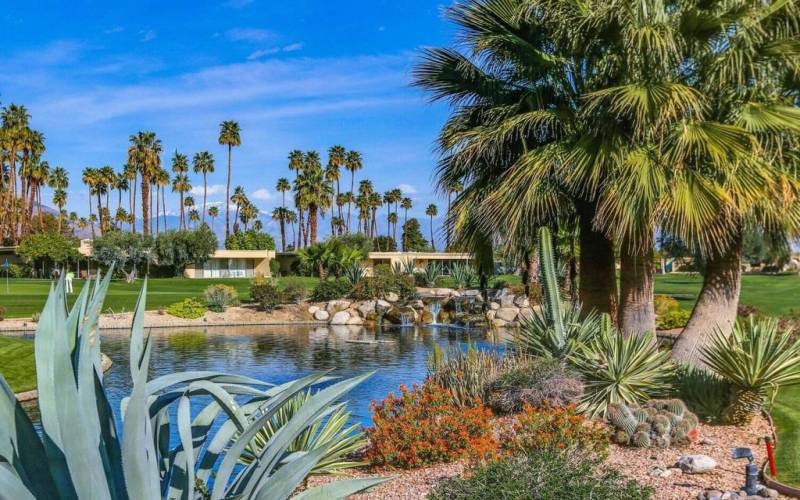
660 423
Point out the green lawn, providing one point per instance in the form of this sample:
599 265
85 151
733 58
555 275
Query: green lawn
16 360
26 296
786 414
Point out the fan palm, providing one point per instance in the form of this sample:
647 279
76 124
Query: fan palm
60 200
144 153
180 183
213 212
229 135
431 211
203 163
353 163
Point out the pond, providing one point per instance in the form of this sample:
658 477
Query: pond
277 354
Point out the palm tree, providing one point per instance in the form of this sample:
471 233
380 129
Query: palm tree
188 202
375 202
131 173
406 204
15 125
39 175
144 152
213 212
161 179
249 212
121 186
204 163
89 178
239 199
455 188
431 211
194 217
332 175
180 183
280 214
60 200
337 155
229 135
314 191
291 218
282 186
352 163
297 163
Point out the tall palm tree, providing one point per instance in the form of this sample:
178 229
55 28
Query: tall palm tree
161 180
180 183
194 217
15 120
406 204
375 202
60 201
122 186
239 199
337 158
229 135
204 164
314 191
131 174
39 173
279 215
291 218
332 175
297 163
213 212
353 163
145 153
90 178
431 211
188 202
455 188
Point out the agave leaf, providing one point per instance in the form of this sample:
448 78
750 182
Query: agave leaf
551 293
185 433
11 486
160 383
281 484
340 489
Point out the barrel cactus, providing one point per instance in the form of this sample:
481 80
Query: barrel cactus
660 423
78 452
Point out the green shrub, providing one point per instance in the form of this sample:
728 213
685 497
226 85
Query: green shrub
188 308
265 293
537 382
556 428
673 319
664 304
706 394
34 317
331 289
18 271
543 475
274 267
382 282
294 291
220 296
249 240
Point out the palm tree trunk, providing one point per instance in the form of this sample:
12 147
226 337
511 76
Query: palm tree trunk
352 183
183 220
205 190
100 212
158 189
145 206
26 224
312 222
716 306
164 207
227 197
283 234
447 228
39 202
90 211
596 269
636 312
433 243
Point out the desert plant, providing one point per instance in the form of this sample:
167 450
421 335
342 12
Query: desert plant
423 426
409 266
265 293
534 382
556 330
619 369
555 427
294 291
331 289
660 423
430 274
220 296
664 304
274 267
757 359
382 282
188 308
354 273
464 373
673 319
77 451
463 275
333 435
705 393
544 474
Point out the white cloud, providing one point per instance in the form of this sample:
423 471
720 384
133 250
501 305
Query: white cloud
212 189
407 189
292 47
261 194
258 54
249 34
147 35
114 29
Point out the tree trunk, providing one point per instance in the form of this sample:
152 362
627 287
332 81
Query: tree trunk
312 222
283 234
596 269
145 205
39 203
636 313
164 207
205 190
716 306
90 211
100 213
228 197
183 220
433 243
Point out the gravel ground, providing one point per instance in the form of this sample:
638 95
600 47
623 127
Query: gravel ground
634 462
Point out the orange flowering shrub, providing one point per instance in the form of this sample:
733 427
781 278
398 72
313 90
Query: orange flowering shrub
423 426
556 427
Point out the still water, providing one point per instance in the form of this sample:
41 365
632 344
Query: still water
277 354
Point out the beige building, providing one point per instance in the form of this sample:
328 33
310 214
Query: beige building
233 264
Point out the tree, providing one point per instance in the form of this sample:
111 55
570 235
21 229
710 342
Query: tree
126 251
194 217
144 153
249 240
188 202
281 212
180 183
213 212
60 200
161 180
178 248
431 211
59 181
337 156
455 188
229 135
413 240
204 164
353 163
89 178
131 175
406 204
313 191
49 248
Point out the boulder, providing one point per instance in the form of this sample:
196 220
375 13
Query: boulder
765 492
490 314
443 292
382 304
340 318
696 464
498 323
472 293
321 315
337 305
366 307
425 317
507 313
525 313
313 309
522 302
355 320
417 304
494 306
392 297
507 301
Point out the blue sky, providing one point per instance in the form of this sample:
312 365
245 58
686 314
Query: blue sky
295 75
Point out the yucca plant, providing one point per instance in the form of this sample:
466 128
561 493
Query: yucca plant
757 359
465 373
463 275
430 274
556 330
333 433
620 369
409 266
79 453
354 273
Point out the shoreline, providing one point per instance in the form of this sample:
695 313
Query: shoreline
33 394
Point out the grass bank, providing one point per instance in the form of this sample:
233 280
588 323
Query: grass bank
16 360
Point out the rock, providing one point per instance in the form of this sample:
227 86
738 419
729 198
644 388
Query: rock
382 304
494 306
472 293
392 297
443 292
711 495
337 305
507 313
426 317
696 464
765 492
708 441
506 301
340 318
313 309
321 315
366 307
490 315
525 313
498 323
355 320
455 293
522 302
661 472
417 304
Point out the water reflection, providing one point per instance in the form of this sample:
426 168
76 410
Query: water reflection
280 353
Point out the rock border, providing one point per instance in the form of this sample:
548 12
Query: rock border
782 488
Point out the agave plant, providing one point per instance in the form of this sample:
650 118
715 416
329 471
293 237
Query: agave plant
463 275
431 273
466 373
79 453
556 330
408 266
757 359
333 434
354 273
620 369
